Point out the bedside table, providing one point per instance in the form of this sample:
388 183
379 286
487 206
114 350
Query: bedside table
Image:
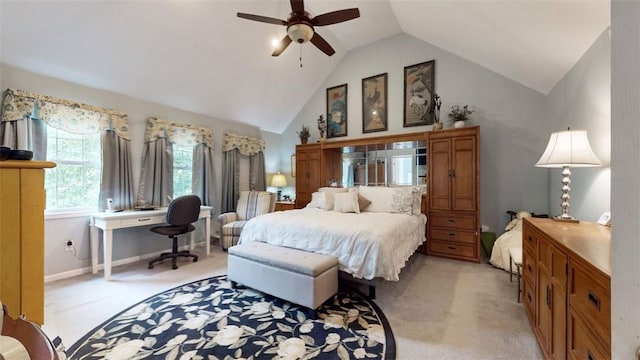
284 205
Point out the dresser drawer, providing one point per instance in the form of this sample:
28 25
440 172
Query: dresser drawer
529 300
447 248
529 266
581 342
453 221
590 294
463 236
529 238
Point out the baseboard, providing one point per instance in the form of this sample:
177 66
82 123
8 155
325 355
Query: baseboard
86 270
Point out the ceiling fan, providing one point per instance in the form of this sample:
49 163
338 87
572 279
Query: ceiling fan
300 26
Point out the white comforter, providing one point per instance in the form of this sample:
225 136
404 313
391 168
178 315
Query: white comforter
368 245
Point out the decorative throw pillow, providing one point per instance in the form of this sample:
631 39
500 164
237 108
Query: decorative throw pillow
363 202
329 193
346 202
403 201
318 201
381 198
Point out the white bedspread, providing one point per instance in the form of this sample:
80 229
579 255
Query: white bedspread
368 245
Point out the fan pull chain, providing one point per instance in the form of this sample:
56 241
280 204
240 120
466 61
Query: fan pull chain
300 56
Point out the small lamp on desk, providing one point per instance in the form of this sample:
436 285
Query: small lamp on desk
279 181
568 149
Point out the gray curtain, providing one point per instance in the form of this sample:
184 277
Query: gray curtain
203 183
117 177
25 134
257 172
156 175
230 182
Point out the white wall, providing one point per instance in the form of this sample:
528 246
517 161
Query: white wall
582 101
57 231
625 172
508 113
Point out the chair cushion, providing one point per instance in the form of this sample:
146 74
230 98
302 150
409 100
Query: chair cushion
173 230
252 204
233 229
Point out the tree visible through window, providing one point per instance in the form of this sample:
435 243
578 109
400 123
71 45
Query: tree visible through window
182 170
75 181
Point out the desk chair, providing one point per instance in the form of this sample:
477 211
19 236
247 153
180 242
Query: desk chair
182 212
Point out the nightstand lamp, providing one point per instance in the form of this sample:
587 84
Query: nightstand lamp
568 149
279 181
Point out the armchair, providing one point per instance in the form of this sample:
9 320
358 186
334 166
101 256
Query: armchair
250 205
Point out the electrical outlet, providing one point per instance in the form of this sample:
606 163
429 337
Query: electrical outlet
68 246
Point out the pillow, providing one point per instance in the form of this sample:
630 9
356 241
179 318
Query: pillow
392 200
318 201
346 202
363 202
329 192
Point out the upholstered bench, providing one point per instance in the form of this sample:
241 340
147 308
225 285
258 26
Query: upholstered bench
301 277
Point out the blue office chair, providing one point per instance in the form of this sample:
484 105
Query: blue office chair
182 212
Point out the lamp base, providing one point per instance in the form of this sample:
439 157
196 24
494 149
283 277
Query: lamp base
566 220
279 195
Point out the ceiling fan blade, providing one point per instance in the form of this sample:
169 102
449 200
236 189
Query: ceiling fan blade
283 45
335 17
297 6
322 44
263 19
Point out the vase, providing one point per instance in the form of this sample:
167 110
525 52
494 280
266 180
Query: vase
303 140
459 124
437 126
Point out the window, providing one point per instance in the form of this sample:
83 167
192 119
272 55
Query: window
75 181
182 170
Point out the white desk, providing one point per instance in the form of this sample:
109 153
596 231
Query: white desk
109 221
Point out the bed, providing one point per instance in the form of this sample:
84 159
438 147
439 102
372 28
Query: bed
369 244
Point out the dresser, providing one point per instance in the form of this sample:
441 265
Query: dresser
454 211
284 205
22 202
567 287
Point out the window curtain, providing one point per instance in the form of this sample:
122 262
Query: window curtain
235 145
23 124
156 177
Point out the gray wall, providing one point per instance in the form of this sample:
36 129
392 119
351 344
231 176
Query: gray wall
508 113
582 101
58 230
625 171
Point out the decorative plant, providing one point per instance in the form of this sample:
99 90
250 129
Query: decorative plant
304 133
460 113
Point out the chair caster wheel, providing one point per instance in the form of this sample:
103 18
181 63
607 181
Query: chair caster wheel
150 266
175 267
195 260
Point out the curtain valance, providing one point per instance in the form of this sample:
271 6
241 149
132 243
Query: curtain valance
178 133
63 114
245 144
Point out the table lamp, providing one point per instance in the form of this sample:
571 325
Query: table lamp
568 149
279 181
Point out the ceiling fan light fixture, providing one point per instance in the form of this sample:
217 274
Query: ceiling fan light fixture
300 33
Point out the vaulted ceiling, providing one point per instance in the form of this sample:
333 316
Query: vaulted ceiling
199 56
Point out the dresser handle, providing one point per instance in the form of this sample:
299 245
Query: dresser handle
594 300
451 247
529 267
453 221
451 234
590 356
529 296
144 219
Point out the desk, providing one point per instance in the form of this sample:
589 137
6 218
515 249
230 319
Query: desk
109 221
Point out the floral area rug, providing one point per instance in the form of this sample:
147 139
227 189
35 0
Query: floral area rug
208 319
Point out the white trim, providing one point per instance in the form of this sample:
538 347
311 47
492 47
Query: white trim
87 269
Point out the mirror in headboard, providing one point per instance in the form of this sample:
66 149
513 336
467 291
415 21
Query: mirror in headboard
393 163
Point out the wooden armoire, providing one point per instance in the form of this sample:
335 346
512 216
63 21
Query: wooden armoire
22 202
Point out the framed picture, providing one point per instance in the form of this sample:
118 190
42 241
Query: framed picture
374 103
419 86
337 111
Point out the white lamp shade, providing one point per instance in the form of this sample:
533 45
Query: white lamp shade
568 148
278 180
